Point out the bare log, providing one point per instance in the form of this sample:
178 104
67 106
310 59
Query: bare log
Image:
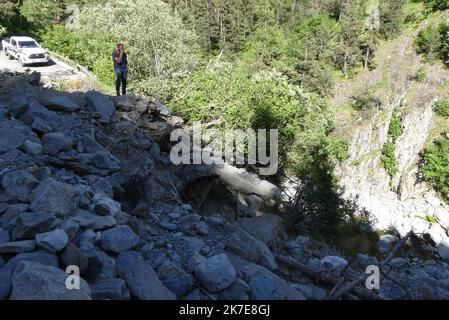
337 294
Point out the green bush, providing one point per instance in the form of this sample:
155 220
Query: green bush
366 101
442 108
58 39
389 159
433 42
395 129
435 166
338 150
420 75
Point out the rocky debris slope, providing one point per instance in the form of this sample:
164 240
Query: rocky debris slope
84 183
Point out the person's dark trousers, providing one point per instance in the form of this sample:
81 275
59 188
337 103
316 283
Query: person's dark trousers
122 76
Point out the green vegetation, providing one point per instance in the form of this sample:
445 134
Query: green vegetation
366 101
435 166
389 158
420 75
442 108
429 218
433 42
395 129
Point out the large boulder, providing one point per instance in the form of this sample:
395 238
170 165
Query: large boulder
4 236
110 289
60 103
100 265
42 257
19 183
53 241
34 110
53 196
141 279
267 228
33 281
101 105
5 283
264 284
106 206
88 220
73 256
11 138
55 142
119 239
29 224
245 245
216 273
17 246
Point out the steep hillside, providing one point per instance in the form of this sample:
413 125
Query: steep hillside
387 183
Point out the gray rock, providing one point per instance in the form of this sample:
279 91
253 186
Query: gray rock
216 273
55 142
11 215
100 265
17 246
100 104
4 236
267 286
34 78
29 224
141 279
53 196
180 285
33 281
19 183
34 110
70 227
201 228
386 242
33 148
248 247
106 206
264 284
41 126
239 291
73 256
102 185
89 220
169 226
60 103
267 228
40 256
11 138
5 284
111 289
119 239
334 263
53 241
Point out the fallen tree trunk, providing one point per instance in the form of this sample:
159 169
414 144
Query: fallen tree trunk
350 286
359 292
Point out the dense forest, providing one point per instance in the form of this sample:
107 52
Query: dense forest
241 64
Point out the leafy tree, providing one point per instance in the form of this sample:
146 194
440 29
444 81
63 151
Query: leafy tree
162 52
391 16
435 166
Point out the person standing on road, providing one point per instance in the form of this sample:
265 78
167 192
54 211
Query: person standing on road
121 68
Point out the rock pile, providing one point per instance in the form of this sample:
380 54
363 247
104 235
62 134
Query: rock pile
85 184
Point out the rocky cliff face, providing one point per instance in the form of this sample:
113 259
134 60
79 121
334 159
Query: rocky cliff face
398 204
